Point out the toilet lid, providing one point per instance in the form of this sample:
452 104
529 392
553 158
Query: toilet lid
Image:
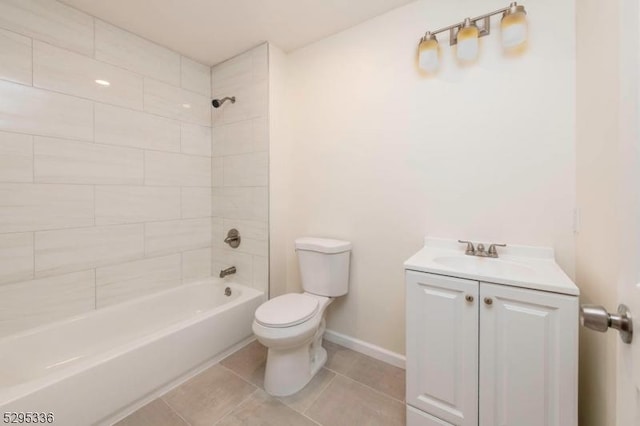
287 310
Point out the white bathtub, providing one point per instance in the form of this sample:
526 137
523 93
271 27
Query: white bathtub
88 369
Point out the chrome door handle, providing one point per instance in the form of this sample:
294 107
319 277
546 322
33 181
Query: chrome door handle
597 318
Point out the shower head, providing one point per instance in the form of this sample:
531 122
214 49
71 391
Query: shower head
217 103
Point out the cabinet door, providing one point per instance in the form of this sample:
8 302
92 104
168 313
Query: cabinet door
442 347
528 357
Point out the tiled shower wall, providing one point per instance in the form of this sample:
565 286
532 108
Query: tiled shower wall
240 178
105 192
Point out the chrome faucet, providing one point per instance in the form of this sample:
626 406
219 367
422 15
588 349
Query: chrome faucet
480 250
230 270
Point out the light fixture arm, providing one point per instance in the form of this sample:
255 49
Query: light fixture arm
483 29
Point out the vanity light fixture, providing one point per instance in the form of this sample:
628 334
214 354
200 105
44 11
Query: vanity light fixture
465 35
103 83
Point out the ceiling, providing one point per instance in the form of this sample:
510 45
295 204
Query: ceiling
211 31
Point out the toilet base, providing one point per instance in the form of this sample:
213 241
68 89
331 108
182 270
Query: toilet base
289 370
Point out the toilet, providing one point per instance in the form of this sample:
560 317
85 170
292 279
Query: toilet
291 326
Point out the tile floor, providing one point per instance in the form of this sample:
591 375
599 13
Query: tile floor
352 389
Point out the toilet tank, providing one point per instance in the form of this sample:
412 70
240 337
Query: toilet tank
324 265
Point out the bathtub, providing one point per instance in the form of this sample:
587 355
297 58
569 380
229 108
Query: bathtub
96 367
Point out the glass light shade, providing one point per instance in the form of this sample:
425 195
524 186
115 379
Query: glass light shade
467 47
514 30
428 56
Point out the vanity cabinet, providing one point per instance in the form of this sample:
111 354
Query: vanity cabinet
483 354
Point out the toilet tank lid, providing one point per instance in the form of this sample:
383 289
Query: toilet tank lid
322 245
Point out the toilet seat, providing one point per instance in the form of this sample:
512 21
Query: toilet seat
287 310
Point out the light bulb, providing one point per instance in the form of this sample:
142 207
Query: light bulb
428 54
514 27
467 45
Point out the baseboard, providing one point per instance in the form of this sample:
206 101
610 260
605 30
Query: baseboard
365 348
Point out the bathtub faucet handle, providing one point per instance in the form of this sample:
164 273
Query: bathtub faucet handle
233 238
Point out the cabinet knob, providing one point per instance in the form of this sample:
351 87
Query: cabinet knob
468 298
488 301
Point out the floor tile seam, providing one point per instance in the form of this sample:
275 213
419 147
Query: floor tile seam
369 387
304 413
240 377
174 410
231 410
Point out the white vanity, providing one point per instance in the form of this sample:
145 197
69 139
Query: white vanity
490 341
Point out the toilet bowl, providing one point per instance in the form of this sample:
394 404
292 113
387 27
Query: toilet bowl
291 326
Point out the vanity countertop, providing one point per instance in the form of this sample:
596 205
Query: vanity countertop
518 266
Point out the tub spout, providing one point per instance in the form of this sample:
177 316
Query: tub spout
228 271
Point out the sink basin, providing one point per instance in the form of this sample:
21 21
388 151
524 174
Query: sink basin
484 265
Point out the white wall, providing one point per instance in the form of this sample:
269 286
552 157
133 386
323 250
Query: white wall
597 242
105 192
382 156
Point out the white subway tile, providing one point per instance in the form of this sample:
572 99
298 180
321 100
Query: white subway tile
218 233
119 126
28 110
133 204
28 304
172 102
255 235
241 138
252 101
63 71
196 264
16 257
50 21
126 281
231 75
260 134
196 139
260 62
127 50
16 157
196 77
177 235
196 202
224 258
64 161
233 139
84 248
31 207
217 171
246 169
177 169
261 273
244 77
15 57
240 203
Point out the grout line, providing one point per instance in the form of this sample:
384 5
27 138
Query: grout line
33 57
95 288
236 374
319 394
93 21
369 387
228 413
172 409
33 257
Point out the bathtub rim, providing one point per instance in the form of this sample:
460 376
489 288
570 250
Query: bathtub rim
12 393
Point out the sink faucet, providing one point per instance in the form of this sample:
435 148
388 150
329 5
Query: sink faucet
230 270
480 250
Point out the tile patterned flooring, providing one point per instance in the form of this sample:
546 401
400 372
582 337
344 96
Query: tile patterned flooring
351 389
